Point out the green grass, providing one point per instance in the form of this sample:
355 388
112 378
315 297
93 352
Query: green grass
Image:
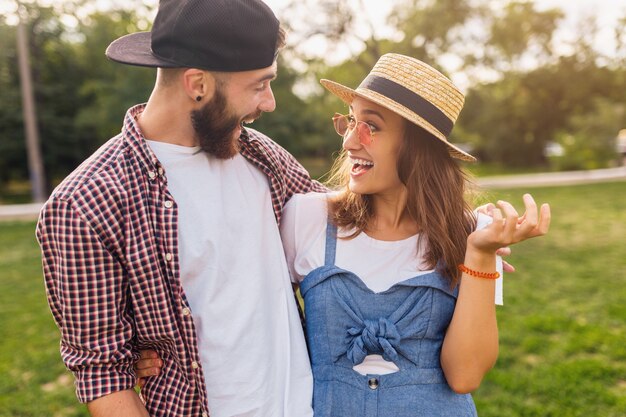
34 381
562 328
563 325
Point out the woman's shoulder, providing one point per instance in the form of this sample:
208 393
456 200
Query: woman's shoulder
309 203
313 196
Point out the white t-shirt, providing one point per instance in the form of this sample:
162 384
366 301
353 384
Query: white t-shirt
235 277
303 230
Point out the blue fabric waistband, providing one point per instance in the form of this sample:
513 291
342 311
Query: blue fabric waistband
407 377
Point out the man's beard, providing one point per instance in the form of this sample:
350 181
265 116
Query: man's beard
214 126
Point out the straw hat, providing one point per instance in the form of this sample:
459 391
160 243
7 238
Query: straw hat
415 91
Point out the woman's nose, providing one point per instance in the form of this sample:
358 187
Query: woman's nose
351 140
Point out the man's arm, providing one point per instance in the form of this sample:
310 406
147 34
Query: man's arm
87 294
119 404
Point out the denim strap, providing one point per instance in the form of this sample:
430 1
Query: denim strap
331 243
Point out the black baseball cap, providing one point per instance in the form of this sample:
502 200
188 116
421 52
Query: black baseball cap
215 35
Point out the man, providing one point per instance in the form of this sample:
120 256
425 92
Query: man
167 239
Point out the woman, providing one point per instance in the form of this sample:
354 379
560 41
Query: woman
398 284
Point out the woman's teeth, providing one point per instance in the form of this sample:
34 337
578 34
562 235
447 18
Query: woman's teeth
360 166
362 162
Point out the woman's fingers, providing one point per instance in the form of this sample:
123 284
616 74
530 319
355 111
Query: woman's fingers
505 251
148 354
148 363
507 267
508 227
141 382
147 372
496 215
510 219
528 222
530 215
486 208
536 223
545 218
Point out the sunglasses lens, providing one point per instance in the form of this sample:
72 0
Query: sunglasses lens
364 132
341 124
344 125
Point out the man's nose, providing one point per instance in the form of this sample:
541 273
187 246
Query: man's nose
268 103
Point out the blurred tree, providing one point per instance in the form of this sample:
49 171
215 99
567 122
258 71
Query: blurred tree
294 124
588 142
51 66
81 98
109 88
512 120
12 152
522 93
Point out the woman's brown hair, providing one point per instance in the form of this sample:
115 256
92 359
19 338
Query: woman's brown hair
436 199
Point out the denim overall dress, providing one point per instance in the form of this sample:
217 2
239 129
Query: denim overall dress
405 324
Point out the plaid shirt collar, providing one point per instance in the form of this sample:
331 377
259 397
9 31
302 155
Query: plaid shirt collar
136 142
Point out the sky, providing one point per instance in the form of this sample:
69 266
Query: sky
606 12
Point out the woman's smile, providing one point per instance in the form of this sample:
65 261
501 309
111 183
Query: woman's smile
360 166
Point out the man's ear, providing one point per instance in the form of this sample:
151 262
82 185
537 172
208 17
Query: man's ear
199 84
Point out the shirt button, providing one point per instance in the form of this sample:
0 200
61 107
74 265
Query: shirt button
205 414
168 257
373 383
195 365
168 204
160 170
186 312
152 175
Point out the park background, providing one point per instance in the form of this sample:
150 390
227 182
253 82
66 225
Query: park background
537 101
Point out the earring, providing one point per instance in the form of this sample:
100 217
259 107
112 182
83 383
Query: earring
198 98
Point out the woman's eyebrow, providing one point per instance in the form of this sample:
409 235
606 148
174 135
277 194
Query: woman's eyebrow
369 112
374 113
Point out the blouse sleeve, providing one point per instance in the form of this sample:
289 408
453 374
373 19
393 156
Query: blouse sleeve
303 231
288 235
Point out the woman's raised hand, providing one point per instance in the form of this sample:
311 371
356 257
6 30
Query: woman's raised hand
508 227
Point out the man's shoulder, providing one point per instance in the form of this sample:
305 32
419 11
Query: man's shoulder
267 143
99 175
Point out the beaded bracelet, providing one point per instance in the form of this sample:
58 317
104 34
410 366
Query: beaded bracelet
478 274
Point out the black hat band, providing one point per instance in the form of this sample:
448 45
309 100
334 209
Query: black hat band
411 100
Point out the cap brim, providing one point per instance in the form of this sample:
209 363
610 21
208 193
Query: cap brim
347 94
136 49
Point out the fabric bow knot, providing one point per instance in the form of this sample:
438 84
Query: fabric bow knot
374 337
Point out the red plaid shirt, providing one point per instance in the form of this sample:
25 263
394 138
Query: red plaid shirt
109 238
